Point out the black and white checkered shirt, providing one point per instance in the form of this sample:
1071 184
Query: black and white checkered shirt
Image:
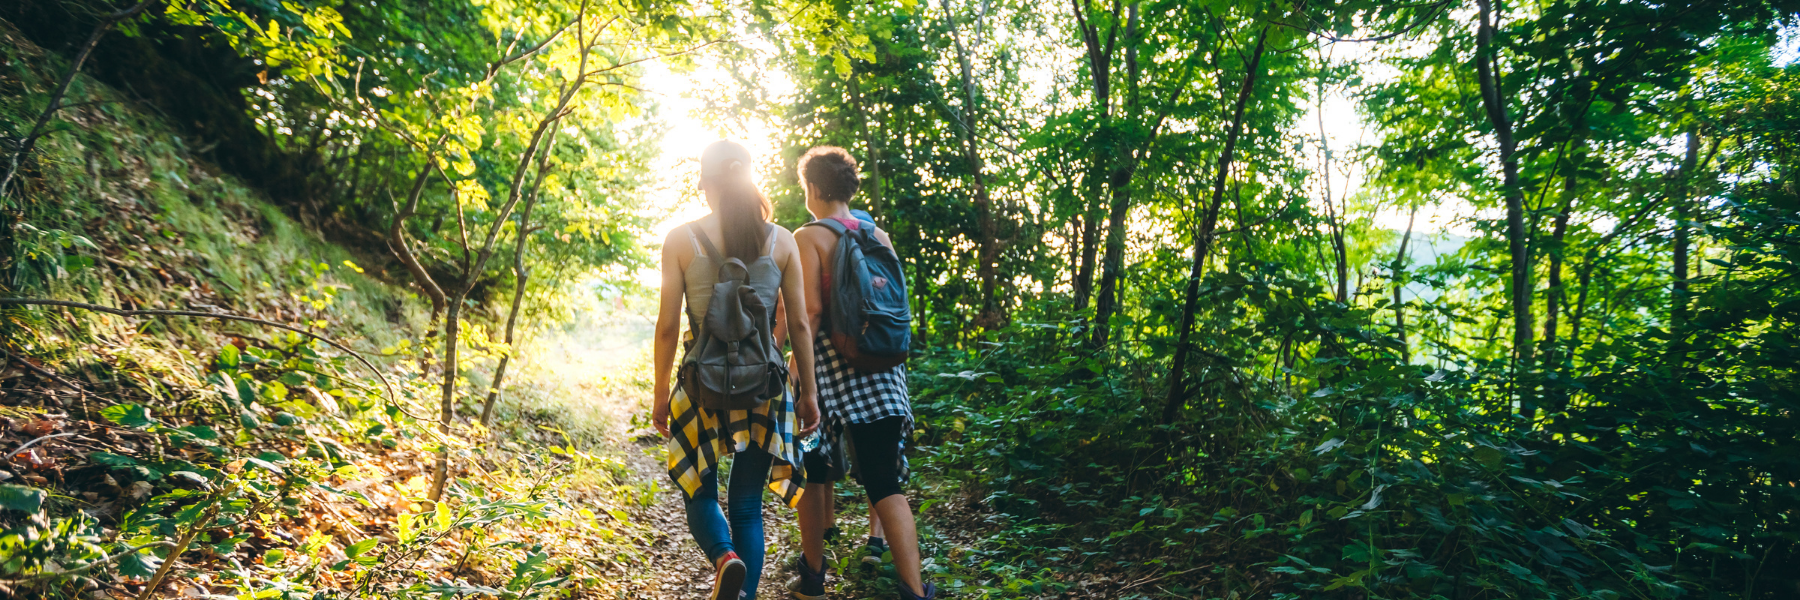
848 395
854 395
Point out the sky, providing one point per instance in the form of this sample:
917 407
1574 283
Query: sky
675 200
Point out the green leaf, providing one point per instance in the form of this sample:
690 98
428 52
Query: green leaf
21 498
1489 456
403 528
274 391
129 415
112 460
202 432
357 549
139 564
228 356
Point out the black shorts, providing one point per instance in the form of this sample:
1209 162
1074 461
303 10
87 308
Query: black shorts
875 451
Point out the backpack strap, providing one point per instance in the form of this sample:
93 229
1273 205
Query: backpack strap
832 224
706 242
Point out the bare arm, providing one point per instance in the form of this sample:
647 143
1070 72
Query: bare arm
794 301
668 325
811 240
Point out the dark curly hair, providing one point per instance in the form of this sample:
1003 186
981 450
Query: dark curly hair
832 170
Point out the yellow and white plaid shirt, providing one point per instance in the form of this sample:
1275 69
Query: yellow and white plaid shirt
699 438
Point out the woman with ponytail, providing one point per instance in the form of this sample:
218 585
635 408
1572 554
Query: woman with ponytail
764 439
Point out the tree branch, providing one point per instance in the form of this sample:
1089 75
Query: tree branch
392 398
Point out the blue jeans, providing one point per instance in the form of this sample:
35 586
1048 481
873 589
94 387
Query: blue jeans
744 532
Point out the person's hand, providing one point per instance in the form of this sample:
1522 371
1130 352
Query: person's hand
807 408
659 416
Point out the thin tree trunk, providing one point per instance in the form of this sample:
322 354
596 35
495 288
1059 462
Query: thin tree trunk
1495 104
1112 267
1090 242
1203 239
1399 285
1099 58
1106 301
1553 292
1678 299
398 245
988 247
1339 253
872 152
521 274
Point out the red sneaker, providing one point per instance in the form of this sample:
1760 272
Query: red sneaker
729 581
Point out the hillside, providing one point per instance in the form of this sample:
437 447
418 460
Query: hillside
135 432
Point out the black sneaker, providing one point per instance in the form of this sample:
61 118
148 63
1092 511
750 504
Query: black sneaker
873 550
808 584
930 593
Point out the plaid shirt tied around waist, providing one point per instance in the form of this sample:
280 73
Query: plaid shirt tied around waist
848 395
700 437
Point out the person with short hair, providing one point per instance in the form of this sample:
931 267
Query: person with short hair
764 440
867 413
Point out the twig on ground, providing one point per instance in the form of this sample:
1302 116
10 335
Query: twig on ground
43 372
29 444
1158 578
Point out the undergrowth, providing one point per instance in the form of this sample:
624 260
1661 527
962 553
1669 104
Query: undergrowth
193 457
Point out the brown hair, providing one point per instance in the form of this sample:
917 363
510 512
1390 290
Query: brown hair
743 210
832 170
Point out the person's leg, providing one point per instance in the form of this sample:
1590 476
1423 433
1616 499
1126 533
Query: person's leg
878 456
815 517
705 521
749 474
710 531
903 540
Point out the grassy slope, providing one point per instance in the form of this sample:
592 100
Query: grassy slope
166 230
113 209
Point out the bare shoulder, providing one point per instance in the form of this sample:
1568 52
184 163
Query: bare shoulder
677 248
881 235
677 240
783 237
814 236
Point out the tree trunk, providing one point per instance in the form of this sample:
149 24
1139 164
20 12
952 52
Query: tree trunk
1340 255
1106 301
987 252
1678 299
1203 239
1099 58
1399 285
1090 242
520 274
1517 245
1553 290
871 152
1119 183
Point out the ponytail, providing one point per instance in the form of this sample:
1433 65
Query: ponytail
743 210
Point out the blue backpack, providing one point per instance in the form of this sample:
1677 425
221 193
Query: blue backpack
866 310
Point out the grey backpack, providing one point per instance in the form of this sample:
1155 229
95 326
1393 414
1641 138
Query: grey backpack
733 363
